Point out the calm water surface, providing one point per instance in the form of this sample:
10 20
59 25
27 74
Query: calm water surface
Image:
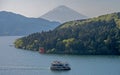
21 62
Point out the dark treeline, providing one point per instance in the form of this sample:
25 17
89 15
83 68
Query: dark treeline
96 36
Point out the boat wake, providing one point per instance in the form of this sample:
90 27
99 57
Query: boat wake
23 68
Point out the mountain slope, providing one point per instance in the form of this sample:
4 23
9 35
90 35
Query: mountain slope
15 24
96 36
63 14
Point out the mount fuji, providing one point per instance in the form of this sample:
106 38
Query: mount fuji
63 14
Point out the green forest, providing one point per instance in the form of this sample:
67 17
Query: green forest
93 36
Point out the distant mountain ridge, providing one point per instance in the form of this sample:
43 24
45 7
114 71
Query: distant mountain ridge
16 24
63 14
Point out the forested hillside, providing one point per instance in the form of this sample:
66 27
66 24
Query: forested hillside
96 36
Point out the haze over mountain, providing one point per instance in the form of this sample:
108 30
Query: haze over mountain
63 14
15 24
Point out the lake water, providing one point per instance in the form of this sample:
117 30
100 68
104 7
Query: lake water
21 62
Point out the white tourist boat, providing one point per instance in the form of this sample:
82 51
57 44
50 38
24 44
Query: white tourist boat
58 65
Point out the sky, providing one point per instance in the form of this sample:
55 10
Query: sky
36 8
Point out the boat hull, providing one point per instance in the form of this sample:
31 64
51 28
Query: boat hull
60 69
